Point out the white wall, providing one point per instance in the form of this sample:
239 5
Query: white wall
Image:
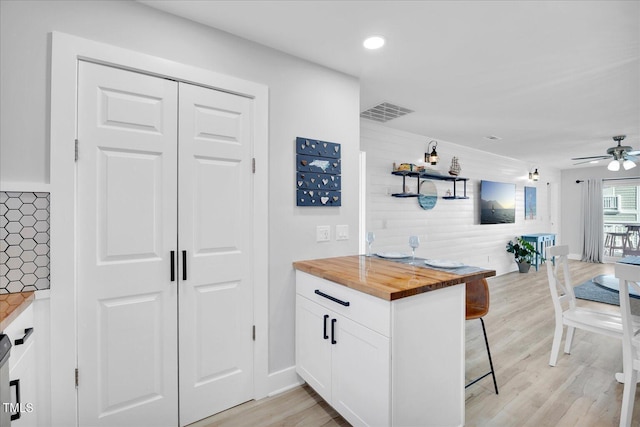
572 200
451 230
305 100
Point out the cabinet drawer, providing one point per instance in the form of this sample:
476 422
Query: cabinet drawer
369 311
16 330
24 372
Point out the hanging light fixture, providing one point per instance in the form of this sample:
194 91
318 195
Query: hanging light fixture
432 157
628 164
534 176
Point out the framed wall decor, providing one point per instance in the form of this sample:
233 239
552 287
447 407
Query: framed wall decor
529 202
497 202
318 173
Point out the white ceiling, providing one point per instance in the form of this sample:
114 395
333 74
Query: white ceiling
553 79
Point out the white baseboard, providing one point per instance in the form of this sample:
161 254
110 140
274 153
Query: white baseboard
283 380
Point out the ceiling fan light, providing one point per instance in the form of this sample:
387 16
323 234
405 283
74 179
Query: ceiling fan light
614 166
628 164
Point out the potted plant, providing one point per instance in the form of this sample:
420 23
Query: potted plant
524 253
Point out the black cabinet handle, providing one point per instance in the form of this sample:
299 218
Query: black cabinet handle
16 383
333 331
173 266
184 265
27 333
326 337
334 299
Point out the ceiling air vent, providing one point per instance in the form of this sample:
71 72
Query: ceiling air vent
384 112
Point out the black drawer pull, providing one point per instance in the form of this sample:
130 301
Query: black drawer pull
333 332
184 265
27 332
324 335
334 299
173 266
16 383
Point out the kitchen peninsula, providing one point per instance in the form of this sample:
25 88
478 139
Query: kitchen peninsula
382 341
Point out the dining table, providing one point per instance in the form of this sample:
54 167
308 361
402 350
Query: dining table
631 260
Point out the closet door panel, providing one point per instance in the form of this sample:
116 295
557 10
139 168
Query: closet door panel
211 300
126 228
217 226
215 211
126 185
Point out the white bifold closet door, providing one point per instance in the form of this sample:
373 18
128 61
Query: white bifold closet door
164 250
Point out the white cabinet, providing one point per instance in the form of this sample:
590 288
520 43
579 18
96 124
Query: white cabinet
22 369
313 351
360 373
379 362
345 362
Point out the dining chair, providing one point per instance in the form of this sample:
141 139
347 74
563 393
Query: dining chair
632 246
615 242
568 313
476 307
629 276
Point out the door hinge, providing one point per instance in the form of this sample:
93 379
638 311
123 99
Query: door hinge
253 165
254 332
76 151
76 377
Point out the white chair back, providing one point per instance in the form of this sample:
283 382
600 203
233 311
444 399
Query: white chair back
629 276
567 312
559 279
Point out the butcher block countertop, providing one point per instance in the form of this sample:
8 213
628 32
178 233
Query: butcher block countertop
386 279
11 305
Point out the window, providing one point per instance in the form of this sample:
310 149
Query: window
621 211
620 202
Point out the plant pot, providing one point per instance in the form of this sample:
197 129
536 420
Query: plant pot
524 267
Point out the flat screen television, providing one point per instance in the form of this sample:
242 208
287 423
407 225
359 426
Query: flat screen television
497 202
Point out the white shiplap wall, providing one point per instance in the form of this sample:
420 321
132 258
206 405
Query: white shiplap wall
451 230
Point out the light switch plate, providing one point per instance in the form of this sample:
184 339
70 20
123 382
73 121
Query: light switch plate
342 232
323 233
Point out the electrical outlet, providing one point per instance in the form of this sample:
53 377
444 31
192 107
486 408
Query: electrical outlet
323 233
342 232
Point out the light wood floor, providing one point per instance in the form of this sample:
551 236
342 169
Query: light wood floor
579 391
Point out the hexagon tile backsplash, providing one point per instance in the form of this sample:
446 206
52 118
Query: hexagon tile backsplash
24 241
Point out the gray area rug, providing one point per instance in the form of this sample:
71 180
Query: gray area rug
594 292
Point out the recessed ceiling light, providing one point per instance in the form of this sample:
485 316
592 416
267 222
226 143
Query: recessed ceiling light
374 42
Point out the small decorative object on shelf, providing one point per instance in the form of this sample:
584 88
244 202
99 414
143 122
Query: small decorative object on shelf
408 167
455 168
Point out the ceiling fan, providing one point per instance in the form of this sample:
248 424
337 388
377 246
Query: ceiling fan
620 154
